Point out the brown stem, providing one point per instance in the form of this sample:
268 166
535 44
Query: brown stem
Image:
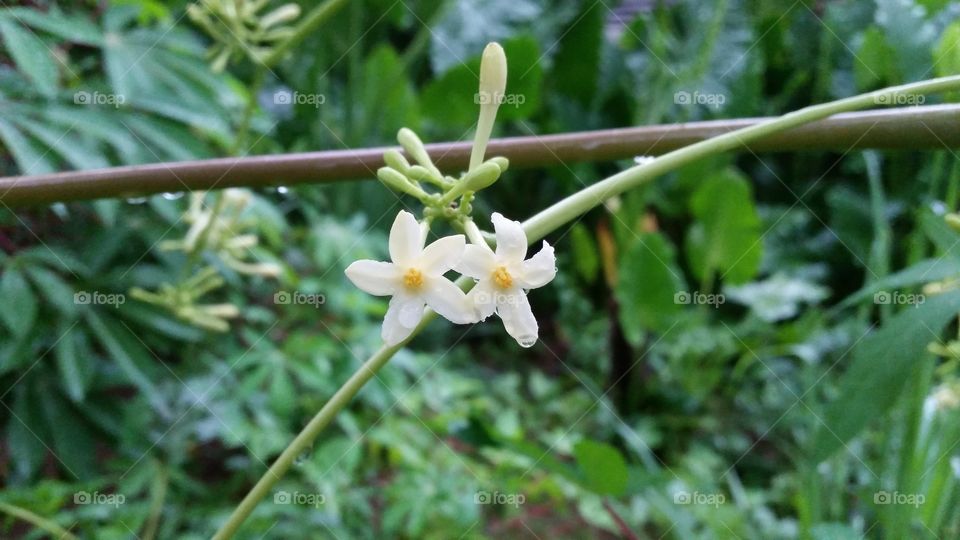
910 128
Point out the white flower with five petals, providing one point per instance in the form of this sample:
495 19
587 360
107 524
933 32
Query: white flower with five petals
503 277
414 279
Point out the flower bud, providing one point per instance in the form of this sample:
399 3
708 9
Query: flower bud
393 179
395 160
953 220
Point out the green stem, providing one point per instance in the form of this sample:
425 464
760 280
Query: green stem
306 437
310 22
40 522
586 199
160 483
550 220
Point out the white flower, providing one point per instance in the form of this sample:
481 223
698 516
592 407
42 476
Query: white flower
414 278
503 278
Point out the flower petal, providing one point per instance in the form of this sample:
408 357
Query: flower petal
403 315
406 242
374 277
538 270
482 298
511 240
477 262
518 318
440 256
444 297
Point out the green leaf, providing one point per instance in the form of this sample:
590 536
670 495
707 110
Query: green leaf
129 356
875 61
54 289
31 55
947 53
726 235
881 364
68 363
647 284
73 441
71 28
586 257
19 303
920 273
602 468
577 63
25 446
30 158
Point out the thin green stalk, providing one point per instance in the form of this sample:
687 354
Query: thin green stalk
160 483
55 530
551 219
310 22
584 200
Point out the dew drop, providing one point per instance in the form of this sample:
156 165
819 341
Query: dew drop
136 200
172 196
283 190
527 341
303 457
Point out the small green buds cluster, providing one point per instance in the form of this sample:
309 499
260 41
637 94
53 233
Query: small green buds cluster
239 30
181 300
399 175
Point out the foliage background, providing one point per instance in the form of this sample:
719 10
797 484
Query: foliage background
631 401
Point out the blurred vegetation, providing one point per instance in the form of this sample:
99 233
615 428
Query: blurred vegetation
752 405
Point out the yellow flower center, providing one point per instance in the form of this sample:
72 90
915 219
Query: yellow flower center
413 279
502 278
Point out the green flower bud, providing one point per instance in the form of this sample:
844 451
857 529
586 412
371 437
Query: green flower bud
395 180
953 220
396 161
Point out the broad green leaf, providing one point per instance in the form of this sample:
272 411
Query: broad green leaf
586 258
30 158
726 236
129 356
576 67
67 144
947 52
25 431
32 56
73 441
69 27
875 61
647 284
19 303
602 468
906 26
68 362
54 289
880 367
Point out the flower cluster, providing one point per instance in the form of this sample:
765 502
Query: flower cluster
415 278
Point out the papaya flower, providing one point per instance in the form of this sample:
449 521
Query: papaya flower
414 278
504 277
